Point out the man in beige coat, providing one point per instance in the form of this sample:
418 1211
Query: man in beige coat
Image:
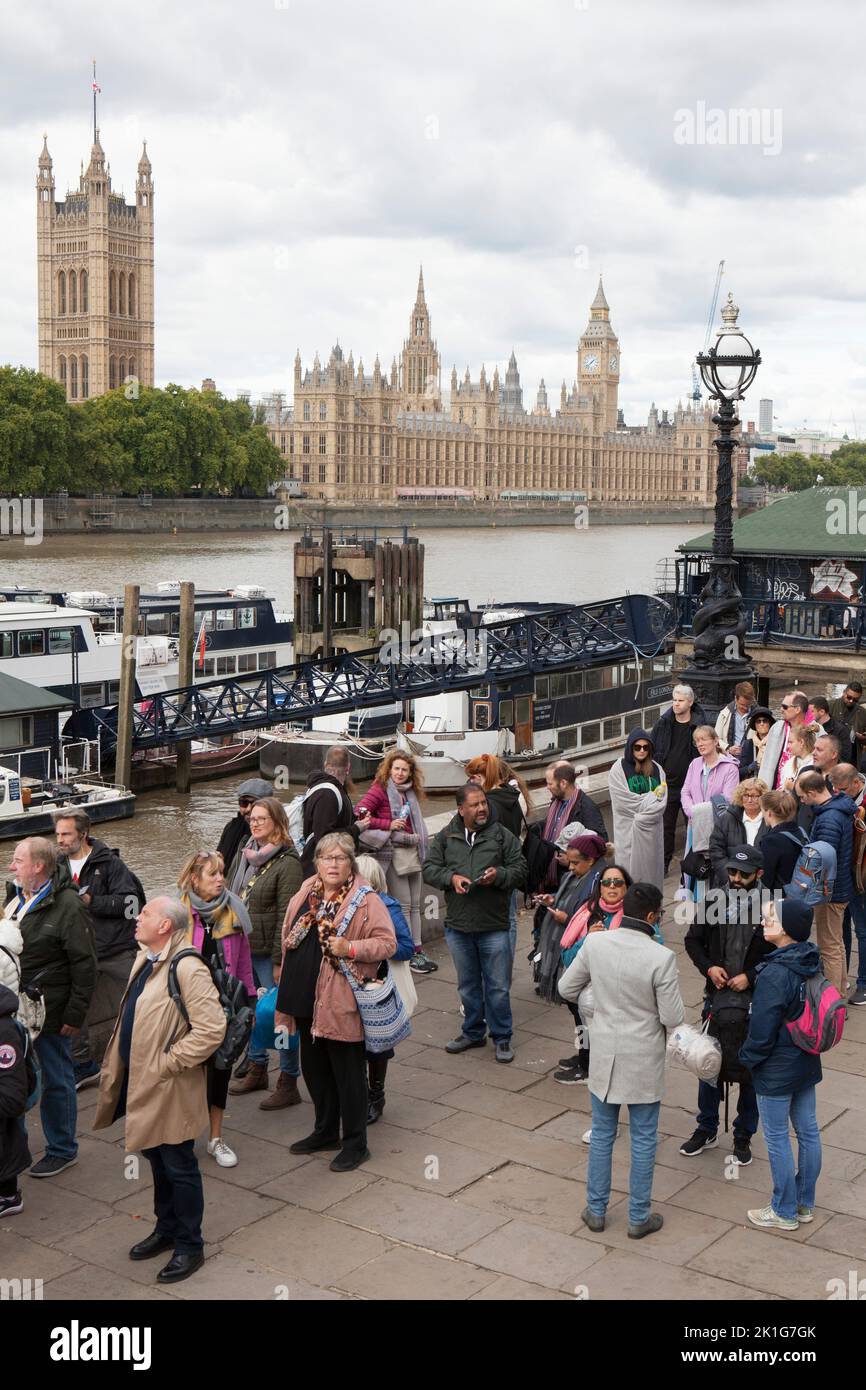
153 1073
635 1000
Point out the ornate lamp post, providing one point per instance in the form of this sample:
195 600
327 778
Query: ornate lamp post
719 628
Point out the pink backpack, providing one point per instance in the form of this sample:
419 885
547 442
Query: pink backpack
819 1025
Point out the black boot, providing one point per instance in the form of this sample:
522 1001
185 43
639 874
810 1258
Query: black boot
377 1068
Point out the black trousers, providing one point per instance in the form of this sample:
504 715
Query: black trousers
178 1195
217 1086
671 815
336 1077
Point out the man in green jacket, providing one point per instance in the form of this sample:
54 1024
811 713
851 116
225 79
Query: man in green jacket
59 955
477 864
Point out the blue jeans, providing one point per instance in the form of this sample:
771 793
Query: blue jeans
178 1195
643 1123
59 1105
483 960
791 1189
262 1037
709 1100
856 912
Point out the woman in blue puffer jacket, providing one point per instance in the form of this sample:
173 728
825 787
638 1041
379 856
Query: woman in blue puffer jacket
784 1076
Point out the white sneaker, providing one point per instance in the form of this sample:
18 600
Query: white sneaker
586 1138
770 1220
219 1149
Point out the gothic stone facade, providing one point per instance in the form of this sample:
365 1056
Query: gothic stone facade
355 435
95 279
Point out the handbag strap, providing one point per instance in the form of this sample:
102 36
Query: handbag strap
354 903
789 835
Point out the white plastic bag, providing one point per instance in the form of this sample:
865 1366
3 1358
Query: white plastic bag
696 1051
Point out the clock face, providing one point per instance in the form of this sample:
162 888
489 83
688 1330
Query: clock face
613 362
590 362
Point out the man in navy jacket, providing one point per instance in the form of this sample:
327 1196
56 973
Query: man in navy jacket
834 823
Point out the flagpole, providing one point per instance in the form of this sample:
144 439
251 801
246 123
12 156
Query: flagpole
94 101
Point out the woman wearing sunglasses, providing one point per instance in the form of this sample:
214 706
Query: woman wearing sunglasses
638 797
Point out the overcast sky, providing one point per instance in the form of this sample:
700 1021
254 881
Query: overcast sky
307 157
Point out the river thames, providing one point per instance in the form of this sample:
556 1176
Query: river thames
544 564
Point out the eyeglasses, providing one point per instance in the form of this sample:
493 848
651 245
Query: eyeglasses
641 747
246 801
334 859
613 883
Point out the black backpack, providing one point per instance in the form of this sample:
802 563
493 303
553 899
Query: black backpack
234 1002
538 853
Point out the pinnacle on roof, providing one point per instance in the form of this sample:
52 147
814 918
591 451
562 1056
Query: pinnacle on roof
600 302
45 157
419 298
144 164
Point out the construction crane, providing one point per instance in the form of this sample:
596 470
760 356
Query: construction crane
696 387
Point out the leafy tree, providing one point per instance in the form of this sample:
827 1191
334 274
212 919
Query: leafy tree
35 433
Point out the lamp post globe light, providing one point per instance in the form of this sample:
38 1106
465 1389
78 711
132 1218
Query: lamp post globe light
719 658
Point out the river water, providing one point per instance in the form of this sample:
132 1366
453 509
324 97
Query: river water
541 564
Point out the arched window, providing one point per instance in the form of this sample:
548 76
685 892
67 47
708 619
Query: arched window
82 292
121 371
73 378
85 376
130 366
112 373
131 296
62 368
73 292
61 292
112 293
306 410
121 293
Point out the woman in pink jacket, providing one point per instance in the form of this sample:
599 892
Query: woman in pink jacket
711 773
315 998
219 925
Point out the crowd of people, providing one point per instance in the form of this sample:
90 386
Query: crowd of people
312 914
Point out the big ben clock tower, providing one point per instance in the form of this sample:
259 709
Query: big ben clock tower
598 365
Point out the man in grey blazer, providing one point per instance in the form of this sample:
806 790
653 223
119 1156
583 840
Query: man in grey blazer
635 1000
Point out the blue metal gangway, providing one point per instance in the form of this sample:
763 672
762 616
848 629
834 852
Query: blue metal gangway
556 638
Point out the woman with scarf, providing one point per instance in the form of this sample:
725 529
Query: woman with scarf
219 925
602 911
265 874
392 805
582 856
316 1001
638 798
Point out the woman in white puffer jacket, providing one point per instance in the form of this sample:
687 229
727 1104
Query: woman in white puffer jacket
12 944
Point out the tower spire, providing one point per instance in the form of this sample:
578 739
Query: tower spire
419 298
96 88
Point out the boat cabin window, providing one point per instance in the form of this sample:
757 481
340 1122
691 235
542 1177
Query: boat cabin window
60 640
225 666
558 687
208 666
247 662
246 617
480 692
6 644
267 659
594 679
612 728
31 642
2 792
651 716
635 721
575 683
542 687
92 695
589 734
157 624
566 738
208 620
225 619
482 715
506 714
113 692
15 733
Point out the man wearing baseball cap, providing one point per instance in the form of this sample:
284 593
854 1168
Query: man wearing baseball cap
725 942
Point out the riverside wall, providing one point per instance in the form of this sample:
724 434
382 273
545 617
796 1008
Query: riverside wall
75 515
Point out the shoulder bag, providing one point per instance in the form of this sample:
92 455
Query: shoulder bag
383 1014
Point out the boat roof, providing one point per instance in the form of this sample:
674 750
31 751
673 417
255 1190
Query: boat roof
33 611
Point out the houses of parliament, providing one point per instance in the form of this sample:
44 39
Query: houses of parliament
352 434
391 436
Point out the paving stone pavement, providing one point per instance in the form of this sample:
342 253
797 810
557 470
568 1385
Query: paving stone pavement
474 1189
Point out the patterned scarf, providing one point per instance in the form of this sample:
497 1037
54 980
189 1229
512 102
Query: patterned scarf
320 909
225 914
